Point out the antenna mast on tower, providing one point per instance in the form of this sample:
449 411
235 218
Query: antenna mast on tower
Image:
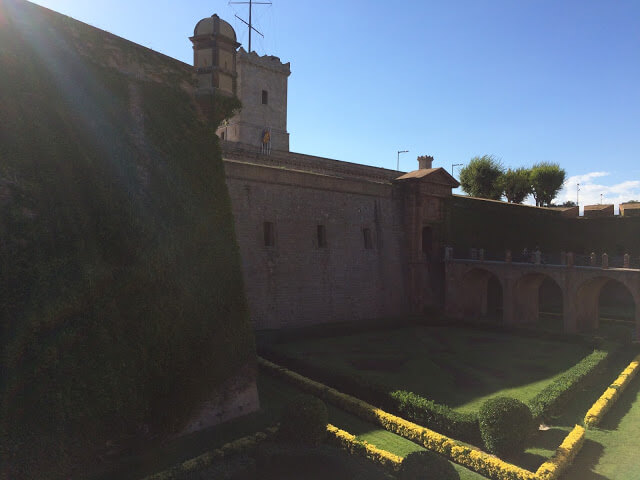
251 3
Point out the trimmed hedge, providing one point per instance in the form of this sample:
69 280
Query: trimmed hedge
462 426
556 395
505 425
426 465
470 457
443 419
304 420
348 442
242 445
611 394
565 453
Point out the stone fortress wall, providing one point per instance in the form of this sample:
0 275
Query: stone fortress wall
317 244
323 240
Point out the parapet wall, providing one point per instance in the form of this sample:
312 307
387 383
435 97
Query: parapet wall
499 226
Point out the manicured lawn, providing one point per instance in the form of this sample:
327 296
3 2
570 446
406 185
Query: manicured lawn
454 366
542 446
275 392
611 451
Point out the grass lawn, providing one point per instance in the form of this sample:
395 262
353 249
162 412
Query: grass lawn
611 451
454 366
542 446
275 392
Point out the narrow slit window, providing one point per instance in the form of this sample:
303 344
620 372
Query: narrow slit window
322 236
368 243
427 241
265 97
269 234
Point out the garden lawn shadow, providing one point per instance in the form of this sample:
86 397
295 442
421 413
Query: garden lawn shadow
454 366
585 462
612 419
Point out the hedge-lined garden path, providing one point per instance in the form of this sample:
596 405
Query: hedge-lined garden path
277 392
612 452
458 367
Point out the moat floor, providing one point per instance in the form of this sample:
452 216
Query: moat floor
611 452
453 366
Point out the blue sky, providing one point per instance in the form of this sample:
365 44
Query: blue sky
524 80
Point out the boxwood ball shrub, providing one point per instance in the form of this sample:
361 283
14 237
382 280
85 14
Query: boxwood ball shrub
505 425
304 420
426 465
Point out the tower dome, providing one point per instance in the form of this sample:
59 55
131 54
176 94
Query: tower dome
214 55
214 25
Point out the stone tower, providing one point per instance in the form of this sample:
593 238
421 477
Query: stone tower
262 89
214 56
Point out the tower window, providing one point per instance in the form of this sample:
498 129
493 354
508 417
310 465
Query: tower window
222 135
322 236
368 243
427 241
265 97
269 234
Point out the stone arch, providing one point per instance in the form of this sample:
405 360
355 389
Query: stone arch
483 295
587 301
526 296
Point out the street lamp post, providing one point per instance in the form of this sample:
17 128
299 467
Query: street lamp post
454 165
578 194
398 161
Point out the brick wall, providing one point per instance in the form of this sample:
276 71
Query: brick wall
296 281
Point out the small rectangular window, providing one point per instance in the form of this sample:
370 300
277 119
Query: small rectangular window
222 135
368 243
269 234
265 97
322 236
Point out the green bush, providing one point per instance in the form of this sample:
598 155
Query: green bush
555 395
304 420
426 465
505 425
413 407
441 418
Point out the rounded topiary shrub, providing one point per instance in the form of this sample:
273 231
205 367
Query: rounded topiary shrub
505 425
304 420
426 465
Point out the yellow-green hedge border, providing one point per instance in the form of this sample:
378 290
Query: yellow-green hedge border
611 394
237 446
348 442
565 453
465 455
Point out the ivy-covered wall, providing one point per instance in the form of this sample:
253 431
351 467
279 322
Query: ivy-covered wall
498 226
122 298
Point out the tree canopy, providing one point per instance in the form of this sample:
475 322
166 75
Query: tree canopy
480 178
568 204
516 185
546 181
